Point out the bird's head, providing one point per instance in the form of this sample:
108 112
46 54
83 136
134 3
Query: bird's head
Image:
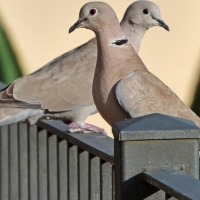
144 14
95 16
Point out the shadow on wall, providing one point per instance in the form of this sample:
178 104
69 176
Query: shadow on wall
196 102
9 65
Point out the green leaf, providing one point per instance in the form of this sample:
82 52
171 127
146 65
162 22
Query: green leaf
9 65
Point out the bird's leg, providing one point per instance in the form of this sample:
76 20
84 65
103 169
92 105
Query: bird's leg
33 120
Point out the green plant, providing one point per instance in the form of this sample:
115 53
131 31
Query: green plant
9 65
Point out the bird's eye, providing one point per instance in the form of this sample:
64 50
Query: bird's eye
92 11
146 11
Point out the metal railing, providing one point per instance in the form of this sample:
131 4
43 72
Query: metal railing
45 162
151 157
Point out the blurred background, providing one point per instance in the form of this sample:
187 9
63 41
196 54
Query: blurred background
34 32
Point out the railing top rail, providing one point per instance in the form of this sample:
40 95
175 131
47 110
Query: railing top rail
177 184
95 143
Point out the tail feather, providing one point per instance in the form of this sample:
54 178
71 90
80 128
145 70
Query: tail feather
12 115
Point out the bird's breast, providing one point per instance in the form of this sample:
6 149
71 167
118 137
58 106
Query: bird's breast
105 98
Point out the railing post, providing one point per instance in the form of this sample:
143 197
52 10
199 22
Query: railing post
153 142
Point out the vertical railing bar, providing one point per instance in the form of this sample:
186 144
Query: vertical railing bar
106 180
101 178
4 162
89 178
43 165
57 166
68 180
63 169
9 180
9 190
29 182
79 181
53 166
33 165
79 174
95 178
83 174
47 148
68 146
29 173
90 157
18 158
113 181
23 161
38 165
28 160
14 161
73 169
48 185
19 173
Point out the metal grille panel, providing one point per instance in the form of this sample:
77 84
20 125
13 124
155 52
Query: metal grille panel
39 164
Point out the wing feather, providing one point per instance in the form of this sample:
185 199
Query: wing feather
142 93
63 84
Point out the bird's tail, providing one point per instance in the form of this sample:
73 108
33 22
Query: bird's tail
12 115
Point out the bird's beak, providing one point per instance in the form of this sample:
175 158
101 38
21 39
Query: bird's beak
162 23
78 24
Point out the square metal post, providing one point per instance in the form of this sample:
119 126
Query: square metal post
153 142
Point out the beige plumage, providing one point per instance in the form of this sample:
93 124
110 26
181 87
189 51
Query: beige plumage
62 89
123 87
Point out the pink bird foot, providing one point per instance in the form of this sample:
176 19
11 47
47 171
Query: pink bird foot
94 128
86 129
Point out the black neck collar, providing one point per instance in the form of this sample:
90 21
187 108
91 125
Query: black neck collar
120 42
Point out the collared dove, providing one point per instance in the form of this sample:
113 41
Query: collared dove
62 89
123 88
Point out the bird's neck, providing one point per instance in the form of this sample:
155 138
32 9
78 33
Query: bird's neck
114 62
134 33
109 54
109 34
121 59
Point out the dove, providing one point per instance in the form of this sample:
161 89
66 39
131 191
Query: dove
62 89
123 87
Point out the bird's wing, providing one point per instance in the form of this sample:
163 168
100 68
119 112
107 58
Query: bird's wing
63 84
142 93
